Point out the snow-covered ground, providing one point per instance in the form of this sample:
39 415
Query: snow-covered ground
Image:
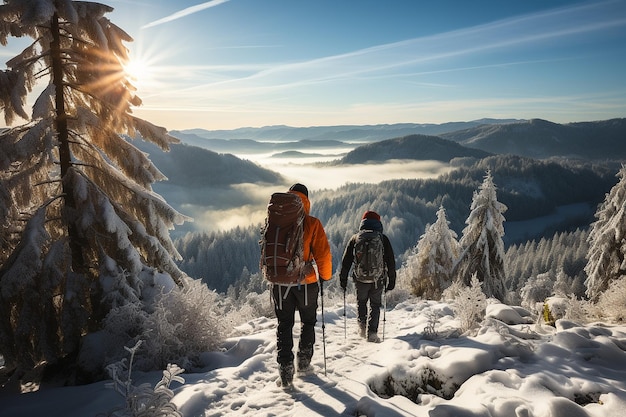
423 367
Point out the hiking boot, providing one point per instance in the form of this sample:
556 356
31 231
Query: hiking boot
362 330
286 374
304 365
304 359
373 337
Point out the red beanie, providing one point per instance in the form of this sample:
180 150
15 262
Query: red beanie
371 215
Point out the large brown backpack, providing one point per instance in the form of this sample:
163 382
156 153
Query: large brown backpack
282 240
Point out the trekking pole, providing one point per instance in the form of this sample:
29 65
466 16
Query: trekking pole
384 309
323 324
345 318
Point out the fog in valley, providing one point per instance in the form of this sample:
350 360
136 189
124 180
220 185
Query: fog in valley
220 209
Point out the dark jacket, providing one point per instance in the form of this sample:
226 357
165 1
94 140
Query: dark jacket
388 256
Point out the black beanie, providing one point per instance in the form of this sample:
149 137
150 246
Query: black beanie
300 188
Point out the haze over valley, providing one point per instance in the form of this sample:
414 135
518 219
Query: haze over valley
405 178
223 178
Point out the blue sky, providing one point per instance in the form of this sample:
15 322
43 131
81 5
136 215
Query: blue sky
225 64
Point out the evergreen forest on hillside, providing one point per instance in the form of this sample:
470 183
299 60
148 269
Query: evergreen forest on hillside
529 188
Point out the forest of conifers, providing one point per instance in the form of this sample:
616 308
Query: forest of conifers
529 188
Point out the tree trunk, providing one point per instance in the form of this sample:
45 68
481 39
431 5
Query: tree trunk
65 157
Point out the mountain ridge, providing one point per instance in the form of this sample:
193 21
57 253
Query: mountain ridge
193 166
540 139
338 132
418 147
534 138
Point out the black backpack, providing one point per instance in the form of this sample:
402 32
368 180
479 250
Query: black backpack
369 263
282 240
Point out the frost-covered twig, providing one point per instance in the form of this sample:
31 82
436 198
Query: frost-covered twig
430 331
144 401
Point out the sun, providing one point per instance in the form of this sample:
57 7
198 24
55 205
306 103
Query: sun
138 71
144 67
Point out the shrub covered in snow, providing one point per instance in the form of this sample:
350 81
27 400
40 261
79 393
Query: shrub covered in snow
537 289
248 306
468 303
176 326
556 308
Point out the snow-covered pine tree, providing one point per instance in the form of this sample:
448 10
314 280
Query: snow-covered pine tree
431 264
606 259
79 219
482 247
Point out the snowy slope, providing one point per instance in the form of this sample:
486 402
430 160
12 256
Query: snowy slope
504 370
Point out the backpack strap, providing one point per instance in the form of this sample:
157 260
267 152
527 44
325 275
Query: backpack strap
282 296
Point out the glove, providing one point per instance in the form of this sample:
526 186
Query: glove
344 285
389 287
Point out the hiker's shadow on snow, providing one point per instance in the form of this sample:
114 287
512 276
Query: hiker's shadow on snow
330 388
355 404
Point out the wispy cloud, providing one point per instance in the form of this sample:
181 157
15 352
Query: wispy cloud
185 12
415 54
270 90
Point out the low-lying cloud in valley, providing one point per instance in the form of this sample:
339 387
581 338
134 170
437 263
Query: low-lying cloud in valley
216 209
330 176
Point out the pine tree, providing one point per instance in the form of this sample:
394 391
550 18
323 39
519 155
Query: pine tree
482 247
80 223
432 263
606 259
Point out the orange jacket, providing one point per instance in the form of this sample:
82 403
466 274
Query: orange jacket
316 245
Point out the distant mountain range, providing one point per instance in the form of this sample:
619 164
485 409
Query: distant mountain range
543 139
352 133
200 179
188 167
534 138
249 146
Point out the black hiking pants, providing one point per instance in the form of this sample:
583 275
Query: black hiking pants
372 292
288 299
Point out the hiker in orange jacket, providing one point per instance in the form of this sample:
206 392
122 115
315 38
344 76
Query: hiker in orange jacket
301 297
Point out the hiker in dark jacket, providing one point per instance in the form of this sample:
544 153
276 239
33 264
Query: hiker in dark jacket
370 291
302 296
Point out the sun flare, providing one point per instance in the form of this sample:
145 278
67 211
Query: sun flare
138 71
